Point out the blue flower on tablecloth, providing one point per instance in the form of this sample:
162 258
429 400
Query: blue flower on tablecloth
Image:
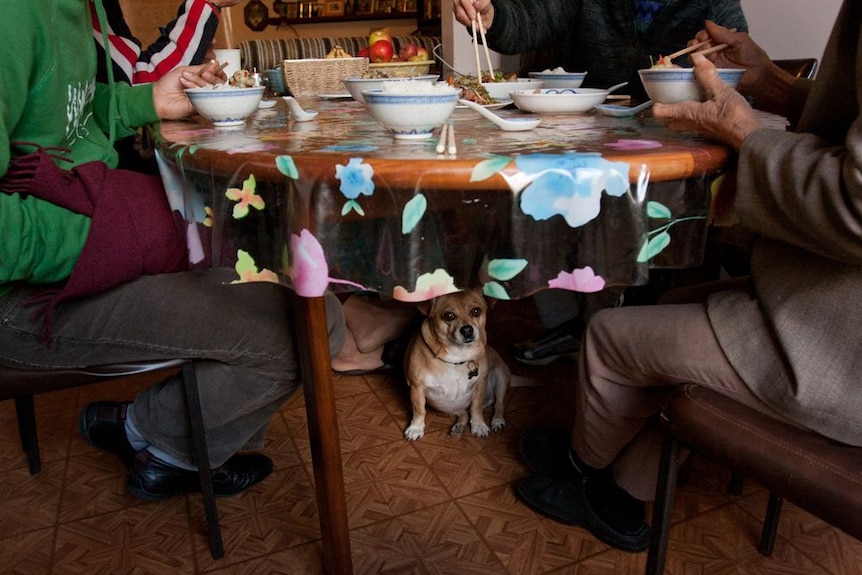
570 185
355 181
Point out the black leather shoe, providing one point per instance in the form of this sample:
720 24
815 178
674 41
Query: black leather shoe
151 478
593 502
102 425
548 451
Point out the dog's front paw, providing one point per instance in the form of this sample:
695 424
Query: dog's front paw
414 432
457 429
497 424
480 429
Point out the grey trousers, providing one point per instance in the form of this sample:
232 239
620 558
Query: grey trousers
631 360
247 365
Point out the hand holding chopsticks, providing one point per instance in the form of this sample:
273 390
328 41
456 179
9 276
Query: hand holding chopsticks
695 47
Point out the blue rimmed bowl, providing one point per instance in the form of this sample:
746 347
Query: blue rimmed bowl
225 106
412 114
559 79
674 85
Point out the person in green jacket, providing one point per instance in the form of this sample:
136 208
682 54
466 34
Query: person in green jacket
94 252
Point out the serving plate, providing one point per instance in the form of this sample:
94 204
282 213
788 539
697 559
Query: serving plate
559 101
501 90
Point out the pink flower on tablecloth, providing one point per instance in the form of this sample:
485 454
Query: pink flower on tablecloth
308 272
428 286
631 144
581 279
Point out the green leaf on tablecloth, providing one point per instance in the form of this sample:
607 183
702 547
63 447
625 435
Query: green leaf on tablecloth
657 210
487 168
495 290
506 269
653 247
287 167
413 212
351 205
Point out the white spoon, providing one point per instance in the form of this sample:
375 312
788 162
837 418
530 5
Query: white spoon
297 112
619 111
513 124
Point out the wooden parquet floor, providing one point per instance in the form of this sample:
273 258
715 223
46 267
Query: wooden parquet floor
437 506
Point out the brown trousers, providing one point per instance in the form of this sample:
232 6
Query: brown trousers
631 360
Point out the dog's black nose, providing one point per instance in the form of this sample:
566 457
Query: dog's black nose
467 332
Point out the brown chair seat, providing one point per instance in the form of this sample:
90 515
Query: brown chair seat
22 384
819 475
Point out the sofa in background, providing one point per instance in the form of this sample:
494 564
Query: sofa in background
268 54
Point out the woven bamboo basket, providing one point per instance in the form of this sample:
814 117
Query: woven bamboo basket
310 76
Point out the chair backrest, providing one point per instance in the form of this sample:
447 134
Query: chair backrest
799 67
15 382
819 475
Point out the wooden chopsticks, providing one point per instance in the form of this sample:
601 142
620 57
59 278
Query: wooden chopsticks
694 47
484 45
714 49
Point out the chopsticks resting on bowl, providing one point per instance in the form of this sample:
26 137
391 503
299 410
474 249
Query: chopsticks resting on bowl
484 45
446 141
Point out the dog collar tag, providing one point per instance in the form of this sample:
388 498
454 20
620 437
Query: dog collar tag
473 368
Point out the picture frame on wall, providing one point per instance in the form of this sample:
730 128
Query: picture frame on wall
364 7
407 6
256 15
333 8
385 6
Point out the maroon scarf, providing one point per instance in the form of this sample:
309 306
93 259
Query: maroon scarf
132 230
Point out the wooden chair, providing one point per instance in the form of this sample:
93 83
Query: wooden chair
817 474
799 67
23 384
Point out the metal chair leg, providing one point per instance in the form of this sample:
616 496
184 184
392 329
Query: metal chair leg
201 453
770 525
25 411
662 514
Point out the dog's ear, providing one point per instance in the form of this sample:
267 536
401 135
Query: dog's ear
480 291
424 307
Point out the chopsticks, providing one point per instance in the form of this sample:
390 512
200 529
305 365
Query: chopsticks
697 46
716 48
484 45
447 131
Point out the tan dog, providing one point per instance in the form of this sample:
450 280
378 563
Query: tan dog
450 367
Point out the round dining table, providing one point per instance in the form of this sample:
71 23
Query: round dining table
582 202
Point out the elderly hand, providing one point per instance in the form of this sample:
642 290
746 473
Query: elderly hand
742 52
169 94
466 10
725 116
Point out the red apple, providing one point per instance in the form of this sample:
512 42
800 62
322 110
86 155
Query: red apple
379 34
380 51
407 51
363 53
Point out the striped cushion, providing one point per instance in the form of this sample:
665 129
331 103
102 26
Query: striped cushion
267 54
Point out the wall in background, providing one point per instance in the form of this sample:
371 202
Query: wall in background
791 28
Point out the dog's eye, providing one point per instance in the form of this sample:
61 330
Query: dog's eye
476 312
448 315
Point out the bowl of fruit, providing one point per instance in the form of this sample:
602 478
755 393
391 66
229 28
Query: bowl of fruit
386 60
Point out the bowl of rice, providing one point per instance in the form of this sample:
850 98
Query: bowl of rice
223 105
559 78
357 85
411 109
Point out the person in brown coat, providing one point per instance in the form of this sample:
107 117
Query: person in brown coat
786 344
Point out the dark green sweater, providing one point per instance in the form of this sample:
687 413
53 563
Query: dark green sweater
600 36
